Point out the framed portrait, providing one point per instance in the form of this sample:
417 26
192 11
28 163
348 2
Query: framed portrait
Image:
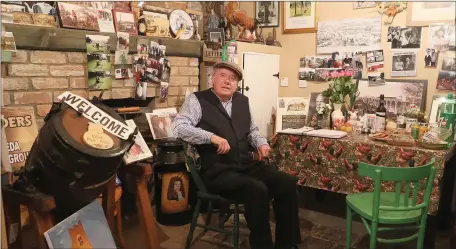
437 100
125 21
299 17
77 17
215 38
267 13
425 13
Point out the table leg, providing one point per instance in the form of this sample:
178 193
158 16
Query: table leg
42 222
13 223
146 216
108 203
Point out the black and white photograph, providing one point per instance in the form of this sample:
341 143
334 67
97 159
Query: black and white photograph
267 13
397 93
349 35
403 64
376 78
125 21
431 57
216 37
363 4
317 74
449 64
316 102
446 80
375 60
166 72
394 32
316 61
123 41
405 37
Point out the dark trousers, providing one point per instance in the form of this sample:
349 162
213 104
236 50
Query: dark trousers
254 187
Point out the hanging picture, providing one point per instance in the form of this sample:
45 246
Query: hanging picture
160 125
105 21
125 21
174 194
267 13
77 17
447 75
363 4
424 13
349 35
299 17
404 37
437 100
431 58
442 37
403 64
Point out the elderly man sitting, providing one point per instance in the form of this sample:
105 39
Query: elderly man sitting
218 122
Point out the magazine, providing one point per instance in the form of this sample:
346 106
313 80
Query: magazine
139 151
87 228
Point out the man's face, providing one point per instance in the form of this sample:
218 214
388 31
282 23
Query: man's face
225 82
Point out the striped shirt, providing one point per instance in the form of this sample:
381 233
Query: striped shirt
184 124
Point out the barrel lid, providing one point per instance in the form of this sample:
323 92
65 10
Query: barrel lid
170 142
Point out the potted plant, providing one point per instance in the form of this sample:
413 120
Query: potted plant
340 87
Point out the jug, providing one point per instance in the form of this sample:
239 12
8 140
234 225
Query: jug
447 116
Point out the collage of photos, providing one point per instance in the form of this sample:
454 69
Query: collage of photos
442 37
99 64
375 64
447 75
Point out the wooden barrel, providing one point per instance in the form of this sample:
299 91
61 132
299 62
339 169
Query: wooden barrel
61 164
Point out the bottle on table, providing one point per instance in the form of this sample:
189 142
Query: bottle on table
370 119
380 115
401 124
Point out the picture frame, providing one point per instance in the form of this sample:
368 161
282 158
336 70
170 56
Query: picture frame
437 100
425 13
125 21
215 38
363 5
271 17
67 19
303 21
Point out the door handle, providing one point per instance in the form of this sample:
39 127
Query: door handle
247 88
276 75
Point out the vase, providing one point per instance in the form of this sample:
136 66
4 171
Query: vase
337 116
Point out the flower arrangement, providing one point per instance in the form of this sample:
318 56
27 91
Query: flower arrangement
340 87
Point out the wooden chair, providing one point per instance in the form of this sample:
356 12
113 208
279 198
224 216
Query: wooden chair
392 208
204 195
118 216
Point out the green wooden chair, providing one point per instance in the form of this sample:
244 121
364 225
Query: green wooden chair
392 208
204 195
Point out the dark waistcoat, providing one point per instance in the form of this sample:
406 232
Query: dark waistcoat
234 129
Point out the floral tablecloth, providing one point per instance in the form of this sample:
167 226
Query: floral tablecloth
330 164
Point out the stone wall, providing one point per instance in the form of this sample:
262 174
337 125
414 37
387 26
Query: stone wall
37 78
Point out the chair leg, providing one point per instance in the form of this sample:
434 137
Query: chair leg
422 231
236 227
119 225
373 235
348 236
209 216
193 225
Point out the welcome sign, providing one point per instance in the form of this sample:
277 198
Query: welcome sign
96 115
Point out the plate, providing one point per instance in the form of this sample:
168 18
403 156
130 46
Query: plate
434 146
383 139
178 19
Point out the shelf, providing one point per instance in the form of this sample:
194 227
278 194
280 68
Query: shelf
30 37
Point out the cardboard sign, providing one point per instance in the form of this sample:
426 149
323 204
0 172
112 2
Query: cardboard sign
96 115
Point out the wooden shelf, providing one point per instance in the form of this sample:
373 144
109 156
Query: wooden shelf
30 37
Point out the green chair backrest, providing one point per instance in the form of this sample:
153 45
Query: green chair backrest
191 164
408 176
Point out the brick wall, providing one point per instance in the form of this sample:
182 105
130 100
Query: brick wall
37 78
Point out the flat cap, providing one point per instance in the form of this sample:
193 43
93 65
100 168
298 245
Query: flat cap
231 66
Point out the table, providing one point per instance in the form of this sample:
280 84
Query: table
330 164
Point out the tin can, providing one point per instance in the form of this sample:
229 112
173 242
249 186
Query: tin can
423 129
415 131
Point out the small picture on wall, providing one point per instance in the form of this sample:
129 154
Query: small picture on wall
406 37
98 62
100 80
123 41
123 72
403 64
442 37
97 44
120 58
125 21
216 37
446 80
267 13
431 57
375 60
8 42
77 17
449 64
363 5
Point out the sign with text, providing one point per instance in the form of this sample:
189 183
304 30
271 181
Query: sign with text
96 115
21 131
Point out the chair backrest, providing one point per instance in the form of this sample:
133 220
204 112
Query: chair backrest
192 167
401 176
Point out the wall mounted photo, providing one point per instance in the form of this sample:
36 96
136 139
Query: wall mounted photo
99 62
397 93
449 64
404 37
376 78
446 80
431 57
97 44
426 13
120 58
375 60
122 72
105 21
77 17
166 72
442 37
157 26
100 80
267 13
299 17
123 41
349 35
141 90
125 21
142 46
8 42
364 5
164 90
403 64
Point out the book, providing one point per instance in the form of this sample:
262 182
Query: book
300 131
139 151
87 228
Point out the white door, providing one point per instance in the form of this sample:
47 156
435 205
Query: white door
261 85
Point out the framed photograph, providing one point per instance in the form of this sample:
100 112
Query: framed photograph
404 37
215 36
98 62
299 17
125 21
397 93
105 21
292 113
123 41
267 13
425 13
363 5
431 58
8 42
77 17
437 100
442 37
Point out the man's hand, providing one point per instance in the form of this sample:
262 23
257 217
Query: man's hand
223 146
263 151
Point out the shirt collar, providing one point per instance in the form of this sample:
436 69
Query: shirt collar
223 102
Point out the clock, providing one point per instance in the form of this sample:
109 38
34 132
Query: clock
181 24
